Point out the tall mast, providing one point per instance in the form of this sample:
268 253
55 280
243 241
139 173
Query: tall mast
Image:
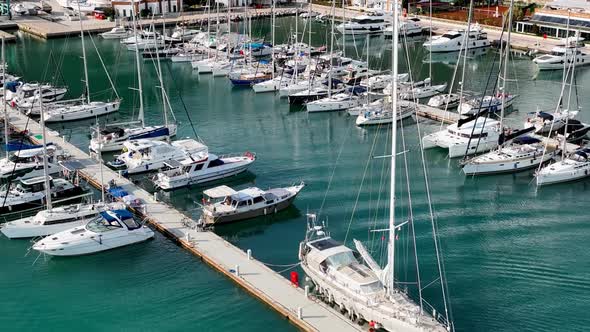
297 43
47 184
4 98
466 43
83 55
140 89
160 79
430 44
391 251
331 47
343 30
506 58
272 54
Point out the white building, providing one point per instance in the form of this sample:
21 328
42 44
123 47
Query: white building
157 7
553 19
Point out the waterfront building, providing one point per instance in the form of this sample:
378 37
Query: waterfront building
552 19
157 7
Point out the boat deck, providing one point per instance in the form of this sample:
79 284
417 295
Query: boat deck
437 114
255 277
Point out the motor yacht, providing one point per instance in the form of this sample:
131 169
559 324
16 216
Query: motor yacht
521 154
58 219
28 163
27 95
560 55
116 33
246 203
30 193
370 23
146 155
445 101
452 41
210 167
475 136
112 229
407 28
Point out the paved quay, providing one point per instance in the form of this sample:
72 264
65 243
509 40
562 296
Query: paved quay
250 274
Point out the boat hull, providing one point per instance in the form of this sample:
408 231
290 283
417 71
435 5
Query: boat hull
233 217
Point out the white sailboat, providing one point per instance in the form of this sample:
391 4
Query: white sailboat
112 138
88 109
359 285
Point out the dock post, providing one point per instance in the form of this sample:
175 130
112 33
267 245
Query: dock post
119 172
249 252
300 313
306 290
156 196
237 269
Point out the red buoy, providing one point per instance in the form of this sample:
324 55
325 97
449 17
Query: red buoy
295 278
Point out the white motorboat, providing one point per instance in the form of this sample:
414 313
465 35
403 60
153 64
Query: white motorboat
112 229
491 104
378 114
189 171
521 154
116 33
30 193
574 167
28 163
245 204
408 28
27 95
460 139
56 220
420 90
452 41
544 122
184 34
560 55
112 138
445 101
81 111
370 23
338 102
146 155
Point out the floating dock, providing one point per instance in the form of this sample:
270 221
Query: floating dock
258 279
437 114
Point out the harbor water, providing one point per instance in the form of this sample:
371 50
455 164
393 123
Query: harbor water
515 255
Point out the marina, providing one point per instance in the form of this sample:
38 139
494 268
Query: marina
317 173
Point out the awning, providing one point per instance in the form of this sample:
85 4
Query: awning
219 192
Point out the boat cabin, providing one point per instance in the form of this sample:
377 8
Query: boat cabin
113 220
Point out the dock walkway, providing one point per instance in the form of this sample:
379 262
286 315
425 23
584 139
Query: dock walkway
255 277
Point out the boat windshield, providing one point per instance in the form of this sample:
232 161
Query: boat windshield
101 225
341 259
29 93
451 35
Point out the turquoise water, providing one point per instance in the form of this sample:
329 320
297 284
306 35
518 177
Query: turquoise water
515 255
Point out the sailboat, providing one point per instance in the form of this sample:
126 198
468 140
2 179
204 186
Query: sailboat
515 152
88 108
113 137
359 285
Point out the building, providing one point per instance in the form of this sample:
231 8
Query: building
158 7
552 19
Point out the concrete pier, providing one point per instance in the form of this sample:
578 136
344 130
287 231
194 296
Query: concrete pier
262 282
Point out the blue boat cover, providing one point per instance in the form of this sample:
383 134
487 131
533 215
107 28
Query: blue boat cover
526 140
121 214
545 115
12 86
118 192
17 146
159 132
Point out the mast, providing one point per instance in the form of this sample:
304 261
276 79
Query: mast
466 43
391 249
4 98
343 29
331 47
47 184
430 44
160 78
297 43
83 55
506 58
272 54
140 89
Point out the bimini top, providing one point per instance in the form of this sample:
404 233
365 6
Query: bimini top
246 194
219 192
120 214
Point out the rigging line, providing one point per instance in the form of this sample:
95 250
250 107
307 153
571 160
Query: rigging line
103 66
289 268
381 188
439 256
334 171
183 103
360 188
